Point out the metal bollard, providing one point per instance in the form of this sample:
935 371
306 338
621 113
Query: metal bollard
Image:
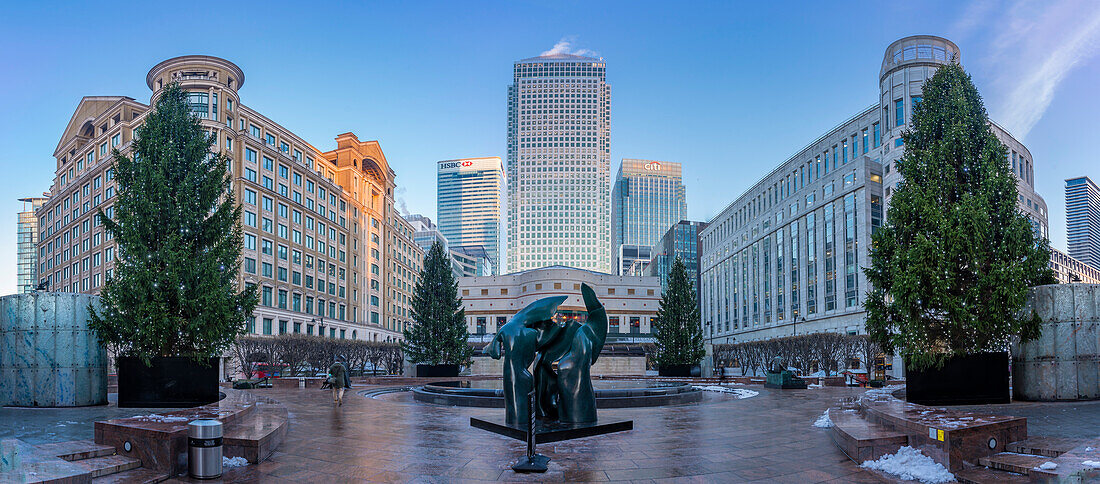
204 449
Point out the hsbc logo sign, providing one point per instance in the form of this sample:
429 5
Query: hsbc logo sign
653 166
451 165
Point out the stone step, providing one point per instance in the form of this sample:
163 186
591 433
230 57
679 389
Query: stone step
861 440
132 476
1045 446
985 475
108 464
76 449
1013 462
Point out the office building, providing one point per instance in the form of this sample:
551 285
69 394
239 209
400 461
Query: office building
404 262
469 202
786 257
1067 269
425 233
631 302
1083 220
472 260
681 240
26 245
320 242
647 199
559 164
466 261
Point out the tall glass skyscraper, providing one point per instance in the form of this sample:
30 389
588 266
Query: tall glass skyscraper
469 203
559 164
1083 220
648 198
26 243
682 240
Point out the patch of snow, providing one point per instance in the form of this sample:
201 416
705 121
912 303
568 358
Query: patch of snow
814 385
1048 466
234 462
823 422
736 392
1092 464
1088 449
162 418
911 465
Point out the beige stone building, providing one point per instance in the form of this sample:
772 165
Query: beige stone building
631 301
320 240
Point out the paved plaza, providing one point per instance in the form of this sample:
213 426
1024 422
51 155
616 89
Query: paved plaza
391 438
766 438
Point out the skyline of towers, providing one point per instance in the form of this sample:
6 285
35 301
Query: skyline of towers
1083 220
559 164
648 198
26 245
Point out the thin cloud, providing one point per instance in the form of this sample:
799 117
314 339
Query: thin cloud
565 46
1040 47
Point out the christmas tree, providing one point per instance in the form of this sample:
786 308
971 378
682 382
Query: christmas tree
439 335
676 329
951 268
174 289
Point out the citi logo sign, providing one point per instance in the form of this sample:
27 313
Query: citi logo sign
653 166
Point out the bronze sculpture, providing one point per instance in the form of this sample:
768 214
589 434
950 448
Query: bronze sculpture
562 355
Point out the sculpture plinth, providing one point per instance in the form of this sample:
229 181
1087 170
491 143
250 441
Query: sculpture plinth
555 402
782 378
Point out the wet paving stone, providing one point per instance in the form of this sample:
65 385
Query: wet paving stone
767 438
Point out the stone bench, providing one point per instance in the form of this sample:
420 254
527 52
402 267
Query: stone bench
253 426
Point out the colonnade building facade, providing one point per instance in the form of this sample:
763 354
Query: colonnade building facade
322 243
630 301
787 256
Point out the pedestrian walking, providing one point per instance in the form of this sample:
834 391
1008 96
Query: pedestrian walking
338 379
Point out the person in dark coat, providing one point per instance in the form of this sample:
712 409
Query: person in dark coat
338 378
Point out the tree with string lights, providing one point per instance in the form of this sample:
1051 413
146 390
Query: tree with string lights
174 290
950 269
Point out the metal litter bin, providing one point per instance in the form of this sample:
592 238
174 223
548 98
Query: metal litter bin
204 449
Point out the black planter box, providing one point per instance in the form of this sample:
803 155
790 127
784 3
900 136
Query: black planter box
675 370
975 379
436 370
170 382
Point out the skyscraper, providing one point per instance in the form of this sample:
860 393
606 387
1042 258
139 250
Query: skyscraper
1083 220
559 164
648 198
26 245
469 192
681 240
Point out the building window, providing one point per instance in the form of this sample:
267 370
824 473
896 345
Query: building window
899 112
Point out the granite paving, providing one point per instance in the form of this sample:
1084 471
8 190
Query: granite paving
56 424
766 438
1076 420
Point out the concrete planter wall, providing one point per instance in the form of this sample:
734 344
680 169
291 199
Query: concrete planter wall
1064 363
48 356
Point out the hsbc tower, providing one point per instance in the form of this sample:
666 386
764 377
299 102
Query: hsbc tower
468 204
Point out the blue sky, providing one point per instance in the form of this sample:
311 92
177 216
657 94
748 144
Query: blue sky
729 89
